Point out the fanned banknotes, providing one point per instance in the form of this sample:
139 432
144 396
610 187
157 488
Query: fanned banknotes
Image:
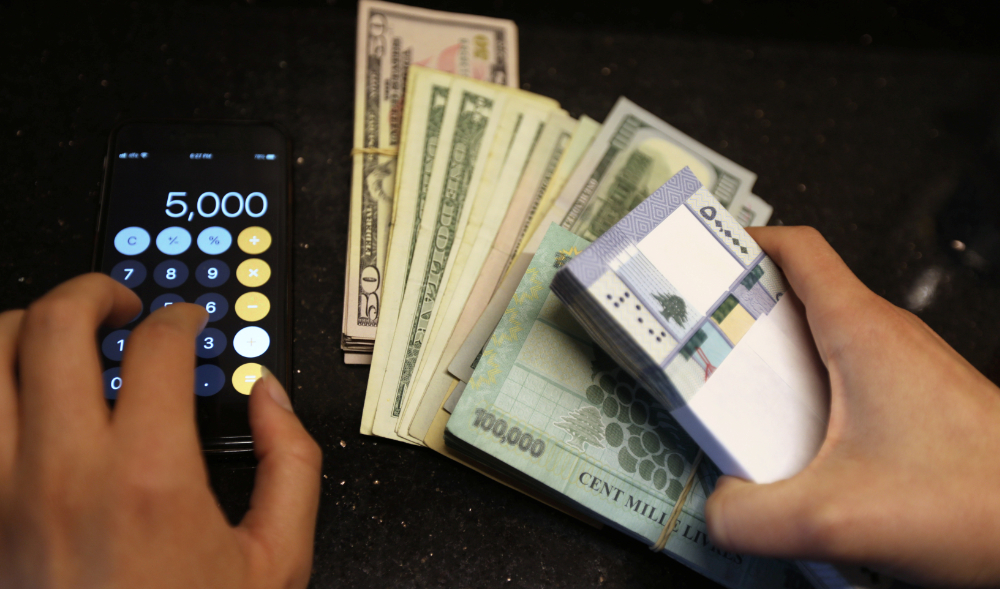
684 299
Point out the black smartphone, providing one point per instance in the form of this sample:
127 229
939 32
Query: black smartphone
200 212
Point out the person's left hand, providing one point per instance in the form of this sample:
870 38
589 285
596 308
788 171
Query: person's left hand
91 497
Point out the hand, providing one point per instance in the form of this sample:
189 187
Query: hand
96 498
908 478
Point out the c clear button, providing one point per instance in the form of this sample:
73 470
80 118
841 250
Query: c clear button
132 241
253 272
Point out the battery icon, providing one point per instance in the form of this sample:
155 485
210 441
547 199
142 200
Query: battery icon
270 156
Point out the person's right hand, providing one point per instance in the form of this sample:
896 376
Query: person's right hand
908 478
91 497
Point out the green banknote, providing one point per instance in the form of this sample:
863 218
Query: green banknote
547 406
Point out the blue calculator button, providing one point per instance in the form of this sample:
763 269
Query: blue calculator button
114 344
210 343
170 273
131 273
173 240
164 300
212 273
215 304
132 240
112 382
208 380
214 240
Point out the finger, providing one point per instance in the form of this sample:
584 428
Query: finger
61 390
155 409
778 519
285 498
10 328
830 292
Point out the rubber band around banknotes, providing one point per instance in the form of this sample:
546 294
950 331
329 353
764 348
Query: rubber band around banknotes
386 151
661 542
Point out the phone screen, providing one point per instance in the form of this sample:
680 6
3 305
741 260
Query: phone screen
198 213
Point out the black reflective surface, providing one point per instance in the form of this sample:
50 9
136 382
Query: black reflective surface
888 148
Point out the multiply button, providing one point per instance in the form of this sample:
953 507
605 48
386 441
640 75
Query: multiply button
254 240
132 241
214 240
245 376
253 272
252 306
173 240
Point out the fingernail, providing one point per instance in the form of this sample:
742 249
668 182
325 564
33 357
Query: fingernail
275 390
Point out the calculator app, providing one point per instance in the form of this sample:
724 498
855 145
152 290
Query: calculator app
206 228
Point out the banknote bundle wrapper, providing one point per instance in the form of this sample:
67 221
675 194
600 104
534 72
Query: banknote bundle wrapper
680 295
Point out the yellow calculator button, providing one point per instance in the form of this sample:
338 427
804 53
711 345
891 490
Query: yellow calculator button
253 272
252 306
245 376
254 240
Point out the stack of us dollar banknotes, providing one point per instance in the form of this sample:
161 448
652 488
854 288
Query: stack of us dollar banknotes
467 196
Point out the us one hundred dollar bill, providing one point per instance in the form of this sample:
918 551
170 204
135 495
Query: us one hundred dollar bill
391 37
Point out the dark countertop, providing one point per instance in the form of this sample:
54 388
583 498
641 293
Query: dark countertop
866 142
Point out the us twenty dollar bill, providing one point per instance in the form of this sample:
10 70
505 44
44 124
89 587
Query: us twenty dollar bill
547 406
391 37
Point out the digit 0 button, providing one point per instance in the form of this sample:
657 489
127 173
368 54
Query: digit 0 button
253 272
214 240
173 240
254 240
245 376
252 306
132 240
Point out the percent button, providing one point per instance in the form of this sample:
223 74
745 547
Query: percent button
214 240
252 306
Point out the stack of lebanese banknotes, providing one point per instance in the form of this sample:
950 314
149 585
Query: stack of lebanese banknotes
467 195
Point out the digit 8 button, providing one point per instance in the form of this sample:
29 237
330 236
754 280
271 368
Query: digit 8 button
254 240
253 272
170 273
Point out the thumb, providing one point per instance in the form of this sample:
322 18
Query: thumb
777 519
285 498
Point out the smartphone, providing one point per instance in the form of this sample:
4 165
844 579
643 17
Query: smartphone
200 212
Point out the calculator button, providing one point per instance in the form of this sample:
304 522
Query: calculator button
173 240
212 273
131 273
210 343
215 304
114 344
245 376
214 240
251 342
252 306
171 273
131 241
254 240
164 300
253 272
112 383
208 380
